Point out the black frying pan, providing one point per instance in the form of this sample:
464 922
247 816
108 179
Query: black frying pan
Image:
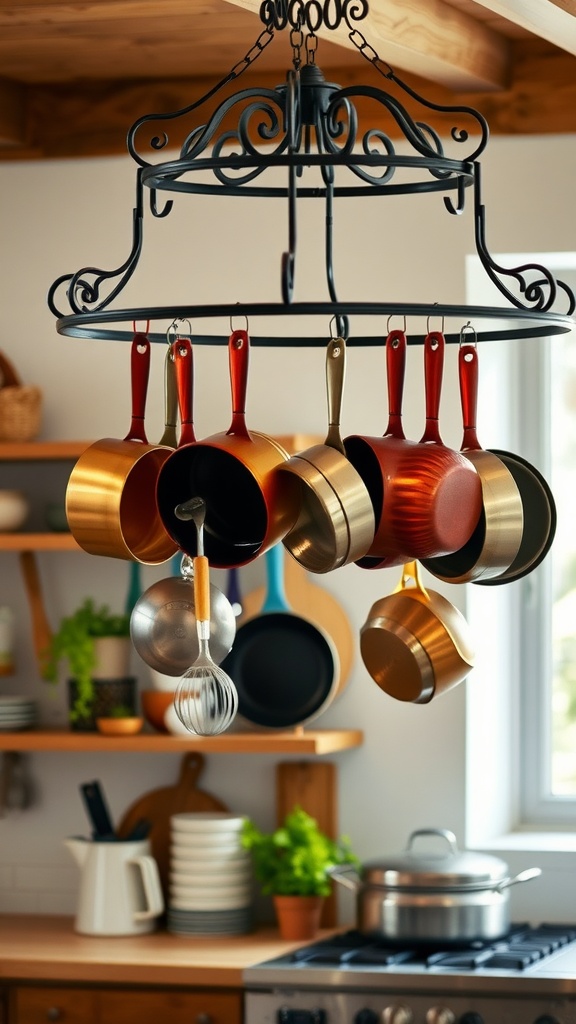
284 667
539 518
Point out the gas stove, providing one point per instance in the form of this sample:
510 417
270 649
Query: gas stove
528 977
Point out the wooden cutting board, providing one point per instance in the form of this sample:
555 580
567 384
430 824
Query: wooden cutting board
315 604
158 805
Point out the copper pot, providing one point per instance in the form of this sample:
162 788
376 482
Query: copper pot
335 523
496 540
248 505
427 497
110 498
414 643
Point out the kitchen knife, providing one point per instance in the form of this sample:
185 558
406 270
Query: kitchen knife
98 813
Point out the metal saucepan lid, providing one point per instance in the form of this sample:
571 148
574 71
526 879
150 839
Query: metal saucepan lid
447 867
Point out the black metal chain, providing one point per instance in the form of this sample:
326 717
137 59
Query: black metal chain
254 52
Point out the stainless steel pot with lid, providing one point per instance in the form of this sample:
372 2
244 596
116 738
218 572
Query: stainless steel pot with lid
442 894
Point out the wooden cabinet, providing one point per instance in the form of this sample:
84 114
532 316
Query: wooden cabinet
48 1004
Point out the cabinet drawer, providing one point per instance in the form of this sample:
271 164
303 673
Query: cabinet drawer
55 1005
174 1007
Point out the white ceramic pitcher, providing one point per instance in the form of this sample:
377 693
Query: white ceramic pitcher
120 891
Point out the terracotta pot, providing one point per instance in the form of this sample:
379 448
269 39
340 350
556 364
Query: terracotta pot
298 916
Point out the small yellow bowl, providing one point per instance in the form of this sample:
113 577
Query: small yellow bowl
119 726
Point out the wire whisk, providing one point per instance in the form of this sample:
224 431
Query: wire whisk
206 700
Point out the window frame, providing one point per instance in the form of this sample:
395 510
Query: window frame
522 375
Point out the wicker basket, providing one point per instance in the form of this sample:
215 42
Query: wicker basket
20 405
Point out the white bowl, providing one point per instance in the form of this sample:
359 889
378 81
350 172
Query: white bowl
207 822
218 866
224 876
207 842
14 509
209 892
210 903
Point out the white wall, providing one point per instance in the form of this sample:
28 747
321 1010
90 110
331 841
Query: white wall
58 216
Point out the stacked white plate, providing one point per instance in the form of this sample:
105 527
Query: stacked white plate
17 713
210 886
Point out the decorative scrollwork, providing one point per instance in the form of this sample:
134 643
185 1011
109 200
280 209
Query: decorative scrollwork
312 15
537 286
84 287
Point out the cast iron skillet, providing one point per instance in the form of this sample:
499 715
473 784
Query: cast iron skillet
284 667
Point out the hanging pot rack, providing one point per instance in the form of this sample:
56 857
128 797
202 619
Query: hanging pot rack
310 126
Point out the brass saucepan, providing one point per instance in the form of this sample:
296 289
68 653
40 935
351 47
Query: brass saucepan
110 498
414 643
335 523
539 518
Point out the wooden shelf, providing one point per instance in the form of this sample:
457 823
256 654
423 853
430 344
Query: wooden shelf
295 741
38 542
41 451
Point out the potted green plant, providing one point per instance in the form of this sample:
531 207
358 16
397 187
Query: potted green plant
95 642
292 865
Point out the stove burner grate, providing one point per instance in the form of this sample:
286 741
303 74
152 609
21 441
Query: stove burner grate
523 946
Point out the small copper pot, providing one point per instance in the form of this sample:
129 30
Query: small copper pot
414 643
110 498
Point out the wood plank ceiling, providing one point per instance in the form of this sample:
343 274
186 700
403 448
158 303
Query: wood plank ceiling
75 75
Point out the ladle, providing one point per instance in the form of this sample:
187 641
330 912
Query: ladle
206 700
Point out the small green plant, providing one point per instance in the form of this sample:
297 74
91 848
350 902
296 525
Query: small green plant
294 860
74 641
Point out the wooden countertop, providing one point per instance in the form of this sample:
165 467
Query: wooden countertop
46 948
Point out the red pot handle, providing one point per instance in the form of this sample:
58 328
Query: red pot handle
468 374
184 362
139 374
433 368
238 352
395 370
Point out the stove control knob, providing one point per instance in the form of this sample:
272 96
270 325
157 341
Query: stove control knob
440 1015
546 1019
397 1015
471 1017
366 1016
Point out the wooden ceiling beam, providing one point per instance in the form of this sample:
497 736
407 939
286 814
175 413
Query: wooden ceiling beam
12 115
93 118
431 39
551 20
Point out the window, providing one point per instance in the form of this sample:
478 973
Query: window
535 384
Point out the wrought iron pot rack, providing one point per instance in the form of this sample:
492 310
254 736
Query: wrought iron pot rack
308 126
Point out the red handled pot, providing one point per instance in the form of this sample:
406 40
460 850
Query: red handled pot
496 540
110 498
427 497
248 505
539 519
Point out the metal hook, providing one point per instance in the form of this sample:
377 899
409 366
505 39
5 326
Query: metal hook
172 327
468 327
232 328
340 329
135 327
388 323
428 325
